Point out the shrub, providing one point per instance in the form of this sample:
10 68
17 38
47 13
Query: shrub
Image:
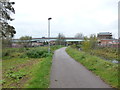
12 52
53 48
22 49
37 53
6 52
23 56
73 46
78 46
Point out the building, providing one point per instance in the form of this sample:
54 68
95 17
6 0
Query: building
109 42
104 35
105 39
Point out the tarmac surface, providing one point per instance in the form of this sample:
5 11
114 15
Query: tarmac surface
68 73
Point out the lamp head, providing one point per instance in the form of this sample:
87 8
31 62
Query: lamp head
49 18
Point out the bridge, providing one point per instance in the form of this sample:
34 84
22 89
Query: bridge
44 39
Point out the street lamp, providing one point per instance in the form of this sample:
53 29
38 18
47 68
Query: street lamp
49 34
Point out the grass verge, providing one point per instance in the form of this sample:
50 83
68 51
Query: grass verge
40 74
107 71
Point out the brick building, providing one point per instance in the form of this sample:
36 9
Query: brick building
104 35
109 42
106 39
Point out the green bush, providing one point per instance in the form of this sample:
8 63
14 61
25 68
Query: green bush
8 51
37 53
5 53
53 48
73 46
23 56
22 50
78 46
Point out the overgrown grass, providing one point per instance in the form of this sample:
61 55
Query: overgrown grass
106 52
26 67
106 70
16 70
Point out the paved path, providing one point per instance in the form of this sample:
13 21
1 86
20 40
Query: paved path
67 73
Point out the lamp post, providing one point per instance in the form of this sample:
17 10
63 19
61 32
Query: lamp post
49 34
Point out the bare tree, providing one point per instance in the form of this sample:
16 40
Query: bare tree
79 35
61 39
25 41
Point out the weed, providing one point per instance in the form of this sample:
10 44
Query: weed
2 82
15 75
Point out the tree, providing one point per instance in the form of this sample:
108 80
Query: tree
93 41
61 39
5 10
85 44
25 41
89 43
79 35
6 31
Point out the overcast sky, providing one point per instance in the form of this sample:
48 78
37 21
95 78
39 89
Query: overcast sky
68 17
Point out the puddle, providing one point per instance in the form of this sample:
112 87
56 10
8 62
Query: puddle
114 61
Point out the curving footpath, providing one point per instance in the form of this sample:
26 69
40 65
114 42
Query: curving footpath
67 73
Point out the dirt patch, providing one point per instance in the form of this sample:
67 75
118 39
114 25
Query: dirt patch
27 64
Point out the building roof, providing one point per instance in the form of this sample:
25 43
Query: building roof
57 38
104 33
109 39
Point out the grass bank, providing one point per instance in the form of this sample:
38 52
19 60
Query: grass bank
106 52
107 71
